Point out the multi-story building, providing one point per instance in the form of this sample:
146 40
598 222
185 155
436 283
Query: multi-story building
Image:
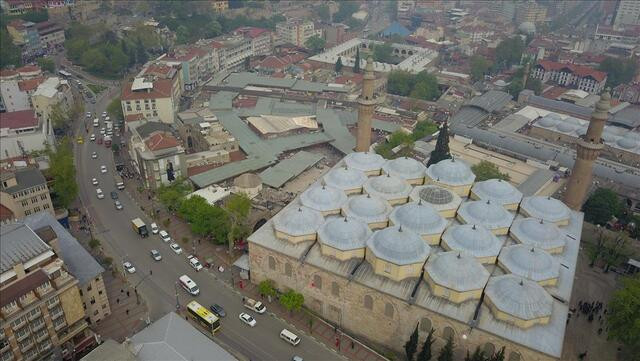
19 7
21 132
629 35
24 192
51 35
505 10
41 307
192 63
150 96
15 90
157 155
530 11
296 31
627 13
219 5
476 33
231 52
25 35
570 75
53 91
260 39
202 131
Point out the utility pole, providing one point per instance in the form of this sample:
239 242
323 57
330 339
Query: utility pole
177 300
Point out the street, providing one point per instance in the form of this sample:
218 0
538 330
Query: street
113 228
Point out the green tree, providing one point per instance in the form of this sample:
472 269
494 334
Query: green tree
623 315
601 206
400 82
339 65
115 109
478 355
486 170
141 53
441 150
323 12
11 54
426 353
93 243
267 288
412 344
292 300
498 356
515 87
346 8
383 53
47 64
422 129
95 61
238 207
63 172
446 353
508 52
356 65
619 71
426 87
171 196
58 118
479 67
535 85
315 44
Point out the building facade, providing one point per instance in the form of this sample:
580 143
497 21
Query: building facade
260 38
296 32
21 132
25 35
24 192
150 98
53 91
627 13
531 11
51 35
570 75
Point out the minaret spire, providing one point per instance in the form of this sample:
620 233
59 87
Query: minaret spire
366 105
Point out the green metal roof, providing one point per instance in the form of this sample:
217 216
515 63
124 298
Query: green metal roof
284 171
343 140
222 100
230 170
244 79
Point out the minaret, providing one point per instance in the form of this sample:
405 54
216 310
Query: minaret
588 149
366 104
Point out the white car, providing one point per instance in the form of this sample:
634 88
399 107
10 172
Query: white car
176 248
154 228
94 155
246 318
129 267
92 138
193 261
102 131
156 255
94 181
165 236
103 169
118 205
104 114
99 193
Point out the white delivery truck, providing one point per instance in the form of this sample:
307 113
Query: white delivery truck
188 285
254 305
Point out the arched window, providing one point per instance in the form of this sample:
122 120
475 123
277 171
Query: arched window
448 333
368 302
287 269
272 263
388 310
335 289
317 282
488 349
425 324
514 356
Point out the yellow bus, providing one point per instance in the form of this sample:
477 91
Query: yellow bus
204 317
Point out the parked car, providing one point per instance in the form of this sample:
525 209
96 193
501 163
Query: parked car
193 261
129 267
154 228
218 310
118 205
114 195
156 255
176 248
99 193
246 318
165 236
92 138
80 140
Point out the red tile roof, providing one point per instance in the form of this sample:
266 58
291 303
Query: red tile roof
161 89
216 45
579 70
274 62
133 117
159 70
30 84
18 120
29 69
5 213
344 79
251 31
160 141
7 73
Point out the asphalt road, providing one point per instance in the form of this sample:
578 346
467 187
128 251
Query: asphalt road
114 229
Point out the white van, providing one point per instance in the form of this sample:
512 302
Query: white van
188 285
290 337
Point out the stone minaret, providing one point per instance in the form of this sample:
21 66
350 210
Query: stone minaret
588 149
366 105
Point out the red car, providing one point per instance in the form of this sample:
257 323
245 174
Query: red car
100 140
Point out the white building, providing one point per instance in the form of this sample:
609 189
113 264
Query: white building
51 92
21 133
570 75
627 13
296 31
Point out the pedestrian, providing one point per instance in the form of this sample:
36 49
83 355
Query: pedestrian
127 311
117 301
353 345
150 272
121 290
127 293
199 241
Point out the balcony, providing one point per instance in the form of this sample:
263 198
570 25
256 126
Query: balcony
55 315
44 347
32 317
72 331
23 336
42 337
36 327
43 291
4 346
19 324
26 346
60 325
53 302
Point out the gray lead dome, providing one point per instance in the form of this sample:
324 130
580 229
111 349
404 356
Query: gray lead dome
453 172
398 245
345 178
344 233
298 221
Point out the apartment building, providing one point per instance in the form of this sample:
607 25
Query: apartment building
260 38
19 7
530 11
24 34
191 60
21 132
219 5
570 75
151 97
24 192
296 31
627 13
17 86
41 307
53 91
51 35
231 52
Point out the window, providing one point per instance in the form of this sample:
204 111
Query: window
95 313
93 300
388 310
24 203
287 269
317 282
425 324
43 197
104 306
387 267
89 287
34 200
368 302
100 292
335 289
272 263
448 333
46 206
27 212
36 209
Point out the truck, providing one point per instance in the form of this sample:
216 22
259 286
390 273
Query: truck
119 182
254 305
139 227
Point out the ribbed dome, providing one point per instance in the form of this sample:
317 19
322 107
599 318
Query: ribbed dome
582 131
367 208
364 161
298 221
388 187
473 239
344 233
530 262
398 245
452 172
418 217
323 198
538 233
345 178
519 297
627 143
498 191
457 271
486 213
436 195
527 27
405 168
547 208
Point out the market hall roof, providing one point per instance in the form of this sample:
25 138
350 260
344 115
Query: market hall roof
398 246
345 178
452 172
344 233
498 191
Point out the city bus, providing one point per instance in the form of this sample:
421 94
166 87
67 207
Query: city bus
64 74
204 317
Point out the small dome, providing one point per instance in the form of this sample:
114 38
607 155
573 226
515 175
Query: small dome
486 213
387 187
436 195
418 217
247 180
547 208
548 121
530 262
457 271
498 191
298 221
452 172
519 297
344 233
405 168
582 131
566 127
632 136
537 233
608 137
364 161
627 143
398 246
367 208
345 178
323 198
473 239
527 27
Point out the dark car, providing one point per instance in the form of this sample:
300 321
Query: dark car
218 310
114 195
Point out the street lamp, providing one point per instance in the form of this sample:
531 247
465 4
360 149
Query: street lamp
177 300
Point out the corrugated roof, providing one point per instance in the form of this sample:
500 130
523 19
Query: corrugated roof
222 100
26 178
19 244
284 171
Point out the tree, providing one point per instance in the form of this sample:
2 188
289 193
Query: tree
535 85
508 52
515 87
383 53
345 10
47 64
400 82
498 356
58 118
315 44
422 129
601 206
426 353
292 300
356 65
441 150
339 65
478 355
238 207
479 67
412 344
619 71
266 288
623 315
323 12
171 196
486 170
141 53
446 353
11 54
115 109
63 172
